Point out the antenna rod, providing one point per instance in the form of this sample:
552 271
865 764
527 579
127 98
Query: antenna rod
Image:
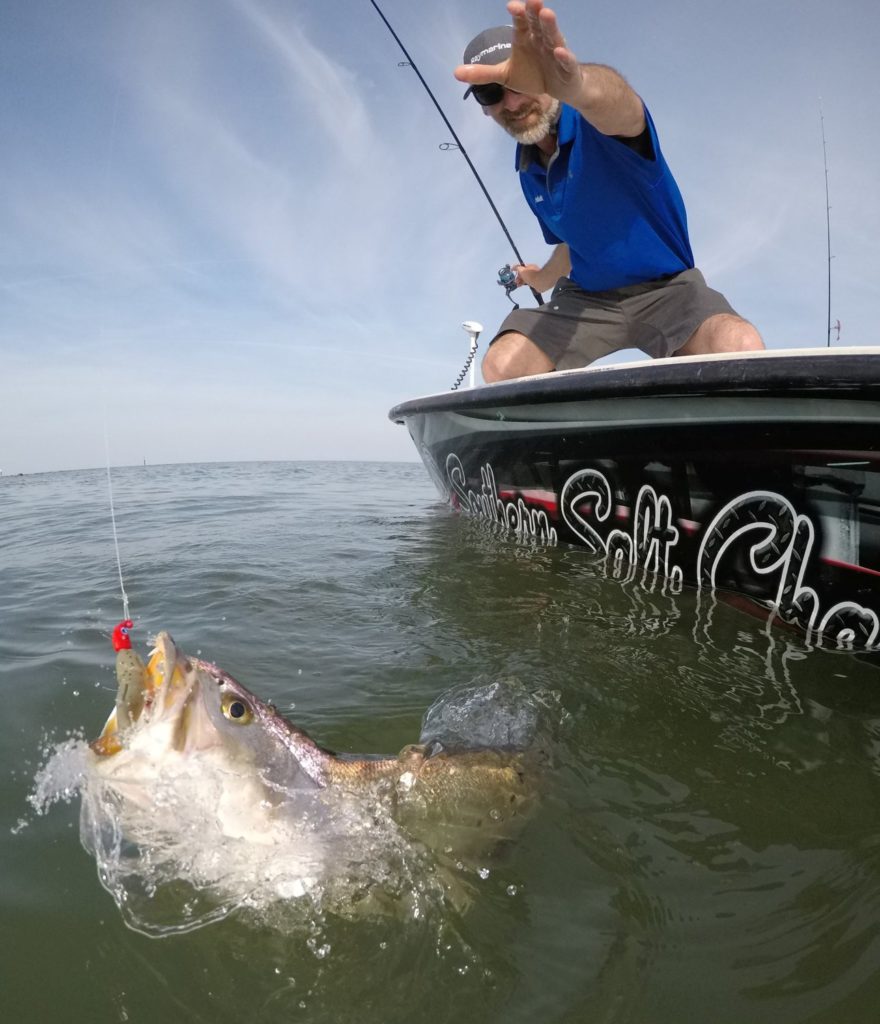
458 143
827 219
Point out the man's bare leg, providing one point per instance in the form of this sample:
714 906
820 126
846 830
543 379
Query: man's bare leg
722 333
514 355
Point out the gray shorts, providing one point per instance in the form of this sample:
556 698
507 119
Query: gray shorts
574 327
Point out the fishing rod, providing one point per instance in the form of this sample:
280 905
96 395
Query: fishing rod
505 275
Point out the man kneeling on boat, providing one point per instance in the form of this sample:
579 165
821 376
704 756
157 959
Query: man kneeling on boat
590 165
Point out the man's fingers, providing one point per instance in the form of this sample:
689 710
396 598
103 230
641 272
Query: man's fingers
517 11
532 12
521 32
525 272
482 74
549 30
536 26
540 22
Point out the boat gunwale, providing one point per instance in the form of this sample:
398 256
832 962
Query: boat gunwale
771 373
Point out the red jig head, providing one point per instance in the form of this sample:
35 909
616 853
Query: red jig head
121 638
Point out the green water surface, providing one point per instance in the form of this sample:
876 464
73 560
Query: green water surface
707 847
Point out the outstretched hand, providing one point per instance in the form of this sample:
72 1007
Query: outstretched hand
540 62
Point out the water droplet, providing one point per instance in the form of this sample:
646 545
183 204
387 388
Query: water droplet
483 873
512 890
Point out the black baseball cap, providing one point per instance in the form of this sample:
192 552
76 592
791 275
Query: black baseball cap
491 46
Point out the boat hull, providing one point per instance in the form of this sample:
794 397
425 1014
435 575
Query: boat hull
753 475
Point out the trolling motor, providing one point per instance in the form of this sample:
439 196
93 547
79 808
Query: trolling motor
474 330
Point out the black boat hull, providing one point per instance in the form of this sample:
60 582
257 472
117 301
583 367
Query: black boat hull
757 475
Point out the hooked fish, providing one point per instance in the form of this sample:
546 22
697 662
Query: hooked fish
178 717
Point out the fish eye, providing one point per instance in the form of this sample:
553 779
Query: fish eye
236 710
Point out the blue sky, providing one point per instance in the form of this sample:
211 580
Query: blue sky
227 230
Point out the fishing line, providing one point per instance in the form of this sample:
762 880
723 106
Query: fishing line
538 298
827 224
108 154
125 610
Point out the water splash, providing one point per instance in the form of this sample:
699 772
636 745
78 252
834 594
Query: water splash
61 777
171 864
498 714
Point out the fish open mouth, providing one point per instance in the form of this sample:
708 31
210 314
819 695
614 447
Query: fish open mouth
141 688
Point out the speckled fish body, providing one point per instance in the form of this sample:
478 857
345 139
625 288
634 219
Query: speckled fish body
178 709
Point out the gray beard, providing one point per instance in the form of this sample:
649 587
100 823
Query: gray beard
529 136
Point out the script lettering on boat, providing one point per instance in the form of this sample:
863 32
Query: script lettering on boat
782 541
653 535
487 505
760 530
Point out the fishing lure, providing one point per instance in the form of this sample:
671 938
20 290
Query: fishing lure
130 676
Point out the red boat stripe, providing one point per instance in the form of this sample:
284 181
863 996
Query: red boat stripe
849 565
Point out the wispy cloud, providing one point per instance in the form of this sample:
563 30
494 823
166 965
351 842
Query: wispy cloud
242 207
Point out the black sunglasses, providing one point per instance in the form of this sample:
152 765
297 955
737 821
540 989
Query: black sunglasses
490 94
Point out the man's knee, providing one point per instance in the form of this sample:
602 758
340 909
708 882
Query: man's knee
513 355
724 332
497 364
741 336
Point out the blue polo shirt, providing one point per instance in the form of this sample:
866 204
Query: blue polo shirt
621 215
